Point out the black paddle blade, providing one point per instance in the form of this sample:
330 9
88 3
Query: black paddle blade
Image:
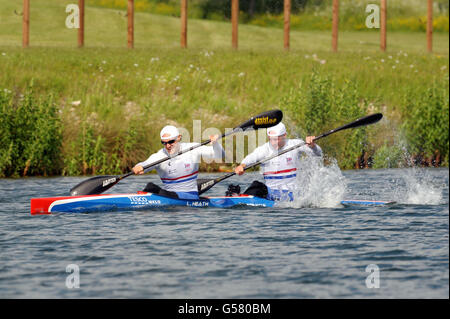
366 120
263 120
204 184
94 185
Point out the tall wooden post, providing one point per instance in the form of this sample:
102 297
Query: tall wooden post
430 26
130 24
287 23
26 24
383 25
81 28
184 8
234 23
335 25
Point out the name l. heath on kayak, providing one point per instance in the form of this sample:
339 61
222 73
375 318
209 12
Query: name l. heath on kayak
178 174
280 172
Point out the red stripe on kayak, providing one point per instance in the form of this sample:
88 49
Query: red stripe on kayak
39 206
280 172
173 179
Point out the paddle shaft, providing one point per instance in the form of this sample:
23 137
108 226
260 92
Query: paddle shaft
177 154
207 185
370 119
235 130
99 184
119 178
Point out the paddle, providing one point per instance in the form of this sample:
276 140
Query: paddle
204 186
99 184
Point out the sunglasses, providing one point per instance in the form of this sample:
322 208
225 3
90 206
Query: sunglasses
168 142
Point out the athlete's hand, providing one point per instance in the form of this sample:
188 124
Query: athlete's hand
240 169
310 141
213 138
138 170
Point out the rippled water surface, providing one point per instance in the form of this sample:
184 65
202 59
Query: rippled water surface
310 249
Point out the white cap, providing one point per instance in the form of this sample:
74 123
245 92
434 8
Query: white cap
276 130
169 132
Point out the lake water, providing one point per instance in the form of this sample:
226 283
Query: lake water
312 248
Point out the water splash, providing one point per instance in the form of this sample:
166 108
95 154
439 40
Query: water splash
319 185
420 188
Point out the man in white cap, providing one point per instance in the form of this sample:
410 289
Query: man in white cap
179 174
280 172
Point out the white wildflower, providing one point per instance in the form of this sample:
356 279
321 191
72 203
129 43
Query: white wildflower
323 61
241 74
136 65
76 103
443 67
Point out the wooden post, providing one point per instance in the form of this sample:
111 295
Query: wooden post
430 26
383 25
26 24
234 23
287 23
184 8
81 28
130 24
335 25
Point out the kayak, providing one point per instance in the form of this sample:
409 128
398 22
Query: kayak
144 200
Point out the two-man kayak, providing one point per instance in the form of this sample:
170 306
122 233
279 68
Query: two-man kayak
143 200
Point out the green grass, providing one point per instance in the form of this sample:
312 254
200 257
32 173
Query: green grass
158 82
107 28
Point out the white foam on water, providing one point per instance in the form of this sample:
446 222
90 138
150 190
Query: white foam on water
318 185
420 188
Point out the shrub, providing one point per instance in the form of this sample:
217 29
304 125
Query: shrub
425 121
30 135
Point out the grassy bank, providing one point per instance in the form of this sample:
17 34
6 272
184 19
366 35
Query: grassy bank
111 102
